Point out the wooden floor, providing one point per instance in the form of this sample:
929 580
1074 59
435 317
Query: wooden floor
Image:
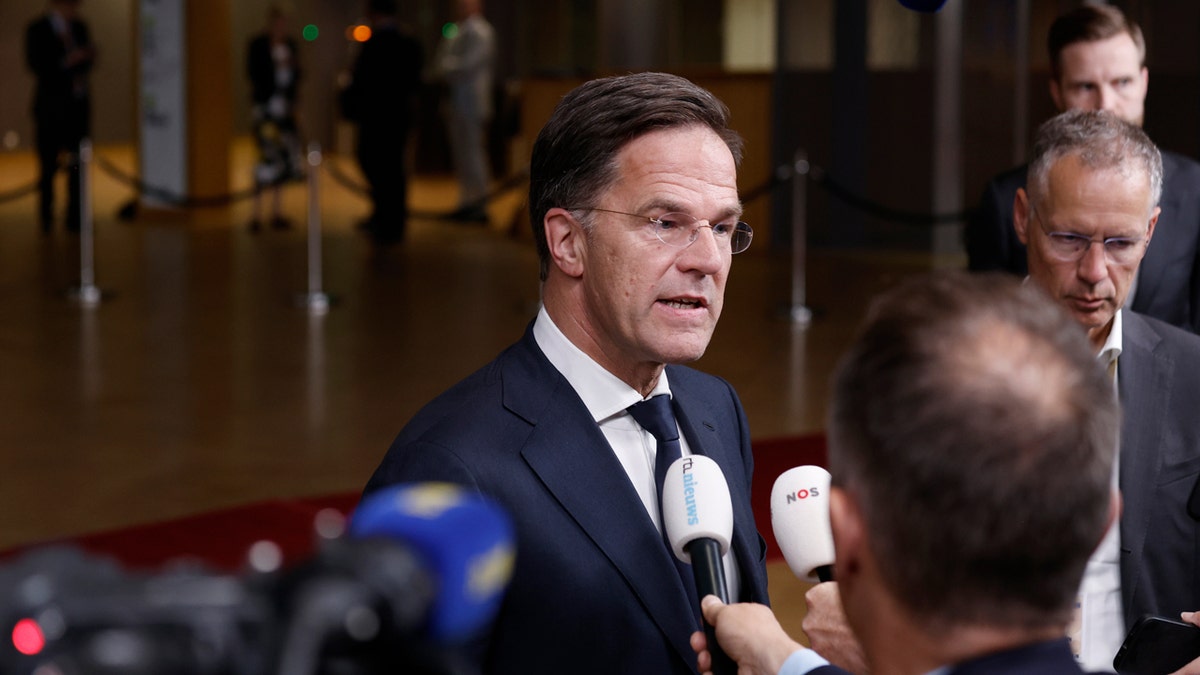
199 383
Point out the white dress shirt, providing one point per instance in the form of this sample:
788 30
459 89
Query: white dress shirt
1102 617
606 398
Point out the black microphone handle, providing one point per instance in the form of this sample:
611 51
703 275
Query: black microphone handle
709 573
825 572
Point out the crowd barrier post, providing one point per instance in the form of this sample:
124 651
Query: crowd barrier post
799 313
316 300
86 294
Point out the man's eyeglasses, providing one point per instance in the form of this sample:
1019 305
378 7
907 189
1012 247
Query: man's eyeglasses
1071 247
680 229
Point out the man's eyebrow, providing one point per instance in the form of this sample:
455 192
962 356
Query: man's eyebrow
734 211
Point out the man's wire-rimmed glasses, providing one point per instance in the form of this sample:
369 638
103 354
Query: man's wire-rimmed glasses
680 230
1071 246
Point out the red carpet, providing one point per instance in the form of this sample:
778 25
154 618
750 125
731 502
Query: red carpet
772 457
221 538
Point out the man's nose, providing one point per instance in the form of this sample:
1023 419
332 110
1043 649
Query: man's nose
1093 266
705 252
1106 99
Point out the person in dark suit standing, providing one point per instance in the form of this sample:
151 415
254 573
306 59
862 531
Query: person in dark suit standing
1097 60
1087 217
274 72
972 442
385 77
634 207
59 51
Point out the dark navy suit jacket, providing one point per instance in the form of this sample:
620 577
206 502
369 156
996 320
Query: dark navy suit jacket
1169 277
594 589
1041 658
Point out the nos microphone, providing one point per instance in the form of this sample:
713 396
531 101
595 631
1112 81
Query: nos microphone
463 541
698 522
800 520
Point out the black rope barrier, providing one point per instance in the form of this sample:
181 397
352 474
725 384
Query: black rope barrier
342 178
175 199
18 193
785 173
331 169
361 189
782 175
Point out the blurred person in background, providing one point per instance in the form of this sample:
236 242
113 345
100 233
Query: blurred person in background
274 73
59 51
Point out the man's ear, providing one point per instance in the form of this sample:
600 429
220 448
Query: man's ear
1021 215
1056 95
1153 221
566 240
849 534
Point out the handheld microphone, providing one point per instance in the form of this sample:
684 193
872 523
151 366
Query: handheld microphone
800 520
698 522
463 541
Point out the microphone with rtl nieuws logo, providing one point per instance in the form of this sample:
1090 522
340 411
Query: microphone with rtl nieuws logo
800 520
698 521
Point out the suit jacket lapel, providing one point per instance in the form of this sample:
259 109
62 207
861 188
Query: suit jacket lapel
574 461
1144 383
699 426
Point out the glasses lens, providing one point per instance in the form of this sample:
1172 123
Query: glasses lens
1068 246
740 241
674 229
680 230
1123 251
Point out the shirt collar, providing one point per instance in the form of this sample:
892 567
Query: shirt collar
603 393
1112 344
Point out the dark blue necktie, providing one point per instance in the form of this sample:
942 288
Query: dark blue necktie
655 415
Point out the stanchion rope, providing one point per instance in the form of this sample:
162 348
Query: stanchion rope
784 174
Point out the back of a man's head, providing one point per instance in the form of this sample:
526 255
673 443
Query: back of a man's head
975 429
1090 23
574 156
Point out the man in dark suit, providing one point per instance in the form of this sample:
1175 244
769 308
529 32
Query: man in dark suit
960 537
1087 218
59 51
1097 58
379 99
634 207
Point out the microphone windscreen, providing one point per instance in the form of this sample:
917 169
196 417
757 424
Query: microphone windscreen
464 541
696 504
923 5
800 519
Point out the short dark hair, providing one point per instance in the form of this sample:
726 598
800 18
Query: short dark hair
1090 23
975 427
574 156
1100 140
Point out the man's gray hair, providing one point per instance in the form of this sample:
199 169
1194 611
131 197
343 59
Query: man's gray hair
1100 140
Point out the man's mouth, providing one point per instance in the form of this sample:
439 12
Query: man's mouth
683 303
